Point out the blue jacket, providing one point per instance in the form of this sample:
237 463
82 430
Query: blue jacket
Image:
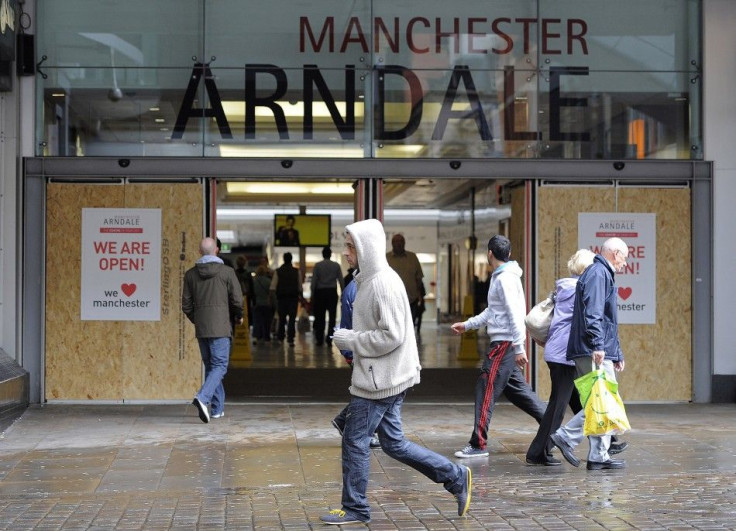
346 313
555 350
595 315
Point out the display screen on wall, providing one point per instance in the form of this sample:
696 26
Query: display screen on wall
302 230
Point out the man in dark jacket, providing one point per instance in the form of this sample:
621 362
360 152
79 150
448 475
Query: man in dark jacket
594 341
287 287
326 276
210 296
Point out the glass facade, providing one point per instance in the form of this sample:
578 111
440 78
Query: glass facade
572 79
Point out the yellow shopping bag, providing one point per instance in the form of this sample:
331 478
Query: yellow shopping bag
604 411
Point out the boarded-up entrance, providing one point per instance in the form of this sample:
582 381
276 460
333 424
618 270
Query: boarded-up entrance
120 360
658 356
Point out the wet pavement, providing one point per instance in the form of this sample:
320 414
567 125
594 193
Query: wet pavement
277 466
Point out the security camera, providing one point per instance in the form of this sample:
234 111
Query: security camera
115 94
618 165
286 164
455 164
123 163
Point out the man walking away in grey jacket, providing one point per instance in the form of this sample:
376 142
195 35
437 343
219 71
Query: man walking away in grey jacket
211 297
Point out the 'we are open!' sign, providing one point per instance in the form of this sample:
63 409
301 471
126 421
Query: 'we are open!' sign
121 264
637 283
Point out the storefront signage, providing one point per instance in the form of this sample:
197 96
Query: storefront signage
416 36
121 264
637 283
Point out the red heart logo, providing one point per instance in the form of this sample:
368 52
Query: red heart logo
624 293
128 289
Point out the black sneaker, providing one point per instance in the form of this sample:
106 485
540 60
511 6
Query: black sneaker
337 426
617 448
204 415
340 517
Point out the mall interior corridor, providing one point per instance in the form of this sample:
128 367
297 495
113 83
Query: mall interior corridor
310 372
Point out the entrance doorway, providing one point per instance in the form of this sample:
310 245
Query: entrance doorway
436 217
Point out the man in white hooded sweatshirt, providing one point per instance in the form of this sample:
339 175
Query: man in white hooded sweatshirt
501 370
385 365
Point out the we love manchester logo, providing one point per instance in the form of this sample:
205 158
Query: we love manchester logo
128 289
625 293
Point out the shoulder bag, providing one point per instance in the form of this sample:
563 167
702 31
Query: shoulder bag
539 318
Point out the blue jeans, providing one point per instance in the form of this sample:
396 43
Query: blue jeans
383 416
572 432
215 353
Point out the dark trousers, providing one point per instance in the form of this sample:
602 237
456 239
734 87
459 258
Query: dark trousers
287 310
417 309
262 316
324 300
561 394
500 374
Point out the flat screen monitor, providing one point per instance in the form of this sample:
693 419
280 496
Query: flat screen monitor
302 230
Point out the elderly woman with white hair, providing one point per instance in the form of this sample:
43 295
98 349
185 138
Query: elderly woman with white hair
561 371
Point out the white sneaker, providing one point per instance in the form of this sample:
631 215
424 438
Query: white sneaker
204 415
469 451
218 415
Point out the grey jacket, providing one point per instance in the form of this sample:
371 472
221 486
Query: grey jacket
211 298
385 355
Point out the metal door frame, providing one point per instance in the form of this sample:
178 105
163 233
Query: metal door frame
697 174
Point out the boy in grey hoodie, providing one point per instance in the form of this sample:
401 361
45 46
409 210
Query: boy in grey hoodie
501 370
385 366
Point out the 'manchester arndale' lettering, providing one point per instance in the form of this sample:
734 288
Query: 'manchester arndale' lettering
416 35
402 35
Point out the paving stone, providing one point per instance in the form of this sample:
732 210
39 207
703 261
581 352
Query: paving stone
277 466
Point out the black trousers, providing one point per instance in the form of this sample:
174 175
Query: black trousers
562 393
287 312
500 374
324 300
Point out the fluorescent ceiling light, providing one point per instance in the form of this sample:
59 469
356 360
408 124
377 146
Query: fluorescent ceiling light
227 236
407 149
301 150
273 188
235 110
392 214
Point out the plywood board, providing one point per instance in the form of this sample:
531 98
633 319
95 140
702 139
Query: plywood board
83 358
120 360
658 356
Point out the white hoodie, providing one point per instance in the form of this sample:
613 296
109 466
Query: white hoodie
504 315
385 356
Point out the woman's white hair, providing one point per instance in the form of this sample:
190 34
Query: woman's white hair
580 261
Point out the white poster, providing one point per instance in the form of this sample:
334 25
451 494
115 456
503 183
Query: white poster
121 264
637 283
